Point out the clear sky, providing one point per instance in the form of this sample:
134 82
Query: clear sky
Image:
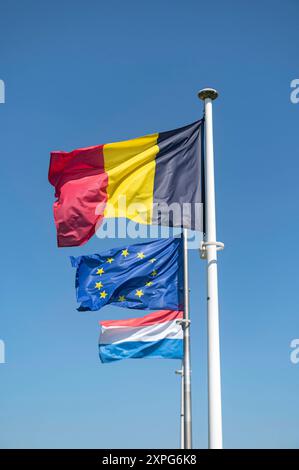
80 73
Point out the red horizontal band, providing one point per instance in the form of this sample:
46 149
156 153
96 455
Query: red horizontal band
153 318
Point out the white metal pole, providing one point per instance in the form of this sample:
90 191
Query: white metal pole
186 360
210 245
182 410
182 421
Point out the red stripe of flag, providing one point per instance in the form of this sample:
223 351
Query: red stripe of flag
81 188
153 318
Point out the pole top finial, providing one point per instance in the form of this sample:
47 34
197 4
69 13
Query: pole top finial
207 93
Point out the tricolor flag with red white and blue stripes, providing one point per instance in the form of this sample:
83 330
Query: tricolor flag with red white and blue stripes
157 335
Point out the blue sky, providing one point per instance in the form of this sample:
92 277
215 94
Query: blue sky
83 73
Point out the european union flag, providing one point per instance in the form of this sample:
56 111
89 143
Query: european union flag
143 276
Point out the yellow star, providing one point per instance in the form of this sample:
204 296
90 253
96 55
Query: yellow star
98 285
152 260
154 273
121 298
100 271
109 260
125 253
103 294
140 255
139 293
149 283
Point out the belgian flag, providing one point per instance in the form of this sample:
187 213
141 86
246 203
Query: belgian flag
155 179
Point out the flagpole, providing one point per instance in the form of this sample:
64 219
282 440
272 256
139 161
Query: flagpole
182 422
182 410
186 359
209 251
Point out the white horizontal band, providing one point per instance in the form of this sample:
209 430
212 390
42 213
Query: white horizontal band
156 332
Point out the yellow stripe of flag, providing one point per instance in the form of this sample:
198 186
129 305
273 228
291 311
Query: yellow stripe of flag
130 166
